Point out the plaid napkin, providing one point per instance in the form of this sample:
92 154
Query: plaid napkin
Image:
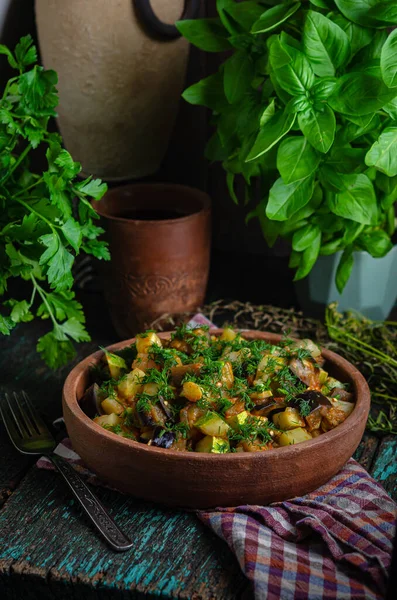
332 544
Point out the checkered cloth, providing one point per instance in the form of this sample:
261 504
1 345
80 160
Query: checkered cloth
332 544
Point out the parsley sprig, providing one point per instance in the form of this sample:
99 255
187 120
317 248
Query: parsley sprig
46 218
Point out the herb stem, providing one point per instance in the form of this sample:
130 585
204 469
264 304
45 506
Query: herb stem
43 295
29 188
16 164
26 205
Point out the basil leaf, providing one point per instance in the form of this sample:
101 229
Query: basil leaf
238 74
323 3
370 13
275 129
309 257
358 36
296 159
391 109
355 199
268 113
227 22
383 153
383 14
330 247
326 45
360 94
344 269
291 68
207 34
318 127
388 60
346 160
208 92
305 237
273 17
376 242
352 230
285 200
245 14
270 229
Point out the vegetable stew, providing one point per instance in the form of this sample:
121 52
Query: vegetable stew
216 394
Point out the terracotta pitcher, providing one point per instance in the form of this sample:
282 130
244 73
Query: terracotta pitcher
159 237
121 72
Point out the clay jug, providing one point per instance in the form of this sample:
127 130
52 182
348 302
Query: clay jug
119 86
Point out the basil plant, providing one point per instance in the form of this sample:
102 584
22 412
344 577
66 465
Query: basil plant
305 109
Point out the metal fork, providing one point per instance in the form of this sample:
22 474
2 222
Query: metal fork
30 435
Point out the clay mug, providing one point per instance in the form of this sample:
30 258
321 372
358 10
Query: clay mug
159 236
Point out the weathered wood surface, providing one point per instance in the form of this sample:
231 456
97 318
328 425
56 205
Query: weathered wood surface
47 548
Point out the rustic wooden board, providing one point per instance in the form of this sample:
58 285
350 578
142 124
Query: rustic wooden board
46 545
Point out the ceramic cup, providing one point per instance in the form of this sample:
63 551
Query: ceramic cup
159 237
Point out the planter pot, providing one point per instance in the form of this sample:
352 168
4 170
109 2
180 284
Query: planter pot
371 289
159 236
119 88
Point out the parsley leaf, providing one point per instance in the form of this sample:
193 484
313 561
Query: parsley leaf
46 217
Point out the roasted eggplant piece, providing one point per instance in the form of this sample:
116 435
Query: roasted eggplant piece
179 372
317 404
314 398
269 408
166 408
163 439
151 417
90 403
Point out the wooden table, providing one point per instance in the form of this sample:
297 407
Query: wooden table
49 551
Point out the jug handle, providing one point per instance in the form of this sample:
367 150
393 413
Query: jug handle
157 28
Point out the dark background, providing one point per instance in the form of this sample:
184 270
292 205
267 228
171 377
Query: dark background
242 266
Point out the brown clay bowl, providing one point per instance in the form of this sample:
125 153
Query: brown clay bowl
206 480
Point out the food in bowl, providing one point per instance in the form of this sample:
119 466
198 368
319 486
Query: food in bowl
216 394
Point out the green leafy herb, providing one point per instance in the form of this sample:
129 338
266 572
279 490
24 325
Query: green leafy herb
307 104
42 227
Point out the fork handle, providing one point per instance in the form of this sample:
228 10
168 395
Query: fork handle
92 506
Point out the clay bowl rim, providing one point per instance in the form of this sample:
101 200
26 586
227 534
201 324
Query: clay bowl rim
360 411
203 197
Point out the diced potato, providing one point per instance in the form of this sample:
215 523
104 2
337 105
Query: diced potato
227 376
131 384
315 433
256 446
310 346
191 391
111 405
236 356
152 389
268 365
143 362
313 421
213 444
212 424
288 419
116 364
228 334
108 420
255 396
181 346
236 420
322 376
145 340
294 436
347 407
334 416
